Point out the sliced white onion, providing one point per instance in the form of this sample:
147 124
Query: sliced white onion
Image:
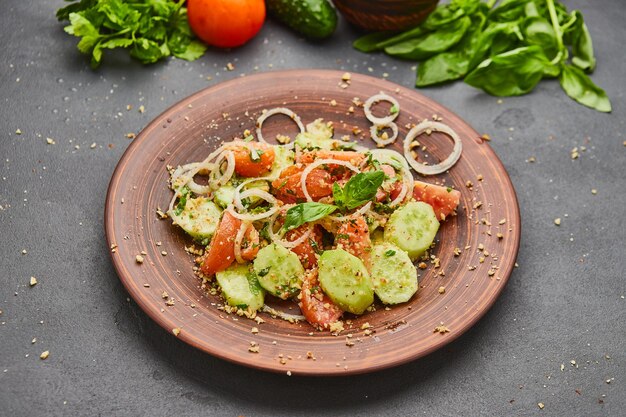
271 112
278 238
317 163
381 121
239 240
407 183
380 141
252 217
255 192
237 195
192 173
280 314
361 211
444 165
228 173
387 156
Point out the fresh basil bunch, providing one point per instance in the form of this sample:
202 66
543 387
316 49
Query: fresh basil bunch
504 49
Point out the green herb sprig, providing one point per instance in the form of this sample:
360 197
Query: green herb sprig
359 189
150 29
505 50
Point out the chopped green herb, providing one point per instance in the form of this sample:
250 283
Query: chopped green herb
182 201
255 155
359 189
306 212
150 29
390 252
264 271
394 109
248 138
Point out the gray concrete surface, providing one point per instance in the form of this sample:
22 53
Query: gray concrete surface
555 336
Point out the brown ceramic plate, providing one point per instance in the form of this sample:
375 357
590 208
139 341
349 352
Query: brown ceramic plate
189 130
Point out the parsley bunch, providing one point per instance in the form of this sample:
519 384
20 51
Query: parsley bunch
504 49
150 29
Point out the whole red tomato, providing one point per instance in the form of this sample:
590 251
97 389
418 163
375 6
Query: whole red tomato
226 23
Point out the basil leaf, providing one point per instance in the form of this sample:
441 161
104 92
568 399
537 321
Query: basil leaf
579 86
507 34
454 64
582 47
306 212
431 43
442 16
359 189
512 73
508 10
441 68
538 31
371 41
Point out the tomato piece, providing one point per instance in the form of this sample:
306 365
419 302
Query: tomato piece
248 164
388 189
444 200
226 23
316 307
221 251
306 251
353 236
250 244
288 189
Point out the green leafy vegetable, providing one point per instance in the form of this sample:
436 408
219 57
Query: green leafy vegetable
579 86
503 47
359 189
511 73
390 253
306 212
150 29
185 192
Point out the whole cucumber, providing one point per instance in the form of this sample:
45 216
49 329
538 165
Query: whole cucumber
315 19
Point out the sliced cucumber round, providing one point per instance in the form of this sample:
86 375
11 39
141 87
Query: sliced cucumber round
393 274
344 278
240 287
412 228
279 271
199 218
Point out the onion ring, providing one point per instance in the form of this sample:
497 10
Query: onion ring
237 195
380 121
279 238
444 165
239 240
228 173
271 112
380 141
280 314
317 163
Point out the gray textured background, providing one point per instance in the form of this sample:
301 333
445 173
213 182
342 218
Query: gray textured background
564 303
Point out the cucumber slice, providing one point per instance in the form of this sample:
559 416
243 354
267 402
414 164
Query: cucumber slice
224 195
199 218
344 278
283 158
279 271
393 274
240 287
412 228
